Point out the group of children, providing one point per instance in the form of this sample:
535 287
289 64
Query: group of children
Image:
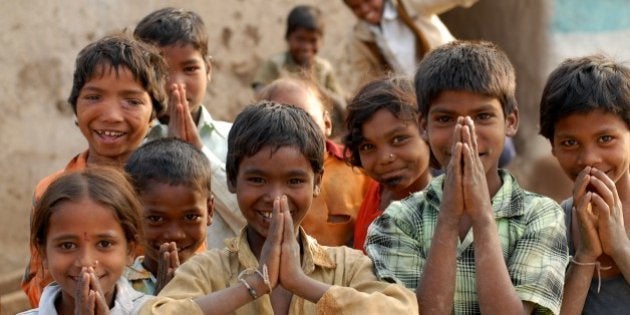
250 217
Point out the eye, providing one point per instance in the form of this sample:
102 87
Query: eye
134 101
191 69
154 219
443 119
92 97
483 116
399 139
104 244
364 147
67 245
296 181
568 143
256 180
192 217
605 139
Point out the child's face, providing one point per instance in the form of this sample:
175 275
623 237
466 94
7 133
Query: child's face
597 139
113 113
393 153
308 102
303 46
175 213
187 66
269 174
81 234
491 126
370 11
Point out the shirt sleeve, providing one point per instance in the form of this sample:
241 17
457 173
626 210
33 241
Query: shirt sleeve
429 7
191 280
265 73
364 294
396 253
540 257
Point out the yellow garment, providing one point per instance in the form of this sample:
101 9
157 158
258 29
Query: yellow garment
354 290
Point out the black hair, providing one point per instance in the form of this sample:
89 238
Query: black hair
306 17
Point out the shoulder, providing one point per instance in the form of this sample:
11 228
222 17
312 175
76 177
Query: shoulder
323 64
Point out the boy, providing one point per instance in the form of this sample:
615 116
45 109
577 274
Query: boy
585 114
182 39
275 168
473 241
172 180
394 35
305 29
331 219
117 89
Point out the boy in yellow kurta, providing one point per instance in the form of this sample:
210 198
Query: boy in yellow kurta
275 167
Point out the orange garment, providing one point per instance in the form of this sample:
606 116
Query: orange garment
35 276
368 212
332 215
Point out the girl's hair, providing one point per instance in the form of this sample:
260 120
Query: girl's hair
395 94
104 185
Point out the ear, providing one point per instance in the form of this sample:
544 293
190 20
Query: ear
231 185
210 208
131 251
422 125
317 183
327 124
511 123
209 68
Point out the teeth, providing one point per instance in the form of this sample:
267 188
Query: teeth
266 214
110 133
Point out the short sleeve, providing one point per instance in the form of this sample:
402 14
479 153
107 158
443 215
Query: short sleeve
265 74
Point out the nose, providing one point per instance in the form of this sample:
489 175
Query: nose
175 77
86 258
386 157
273 191
174 232
588 156
111 111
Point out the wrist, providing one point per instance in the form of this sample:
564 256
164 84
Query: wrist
583 256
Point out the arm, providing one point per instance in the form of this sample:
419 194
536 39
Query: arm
181 124
436 289
495 290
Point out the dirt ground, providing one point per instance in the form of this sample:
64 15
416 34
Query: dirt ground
40 39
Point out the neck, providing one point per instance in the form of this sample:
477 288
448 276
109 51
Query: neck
95 159
494 181
150 264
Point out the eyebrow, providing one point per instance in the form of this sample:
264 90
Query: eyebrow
88 88
389 133
256 171
63 237
482 108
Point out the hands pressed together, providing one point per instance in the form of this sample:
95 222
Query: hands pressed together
465 187
167 263
89 297
181 124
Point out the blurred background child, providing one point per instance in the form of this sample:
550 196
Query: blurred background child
86 227
172 180
118 88
182 39
384 140
333 213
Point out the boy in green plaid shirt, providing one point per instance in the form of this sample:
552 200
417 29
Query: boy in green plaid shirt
473 241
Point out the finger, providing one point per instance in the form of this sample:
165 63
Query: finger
95 284
600 207
288 220
277 221
90 301
584 211
604 191
473 135
174 261
100 303
83 287
581 183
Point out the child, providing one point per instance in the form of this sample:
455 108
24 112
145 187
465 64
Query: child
181 37
275 165
585 114
384 139
118 88
331 219
85 227
172 180
305 29
473 241
394 35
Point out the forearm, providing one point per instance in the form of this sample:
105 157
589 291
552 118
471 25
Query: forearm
436 287
230 299
494 288
621 256
576 284
309 289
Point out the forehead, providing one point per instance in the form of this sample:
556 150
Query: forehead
592 122
463 103
271 160
300 97
82 217
181 50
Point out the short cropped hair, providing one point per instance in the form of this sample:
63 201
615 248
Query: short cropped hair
474 66
306 17
274 125
582 85
395 94
170 26
169 161
290 84
116 51
104 185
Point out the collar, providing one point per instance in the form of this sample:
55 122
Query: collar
137 271
389 11
507 202
334 149
314 254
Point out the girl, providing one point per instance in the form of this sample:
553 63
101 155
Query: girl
384 139
85 228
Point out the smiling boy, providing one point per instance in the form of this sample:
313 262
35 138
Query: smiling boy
473 241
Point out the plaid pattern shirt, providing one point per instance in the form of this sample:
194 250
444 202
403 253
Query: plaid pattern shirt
531 232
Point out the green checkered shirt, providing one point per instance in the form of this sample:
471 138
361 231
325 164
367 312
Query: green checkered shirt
531 232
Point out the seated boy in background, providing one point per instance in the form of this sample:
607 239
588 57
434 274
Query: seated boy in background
117 89
305 29
172 180
473 241
182 39
275 165
331 219
585 114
